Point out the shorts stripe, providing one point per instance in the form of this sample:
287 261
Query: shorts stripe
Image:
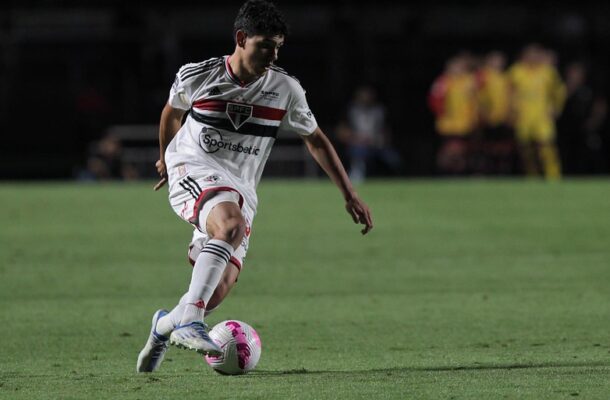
203 197
190 185
188 189
194 182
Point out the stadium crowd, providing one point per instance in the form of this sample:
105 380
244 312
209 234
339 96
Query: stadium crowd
524 118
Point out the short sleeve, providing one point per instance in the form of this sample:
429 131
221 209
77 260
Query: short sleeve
299 118
180 94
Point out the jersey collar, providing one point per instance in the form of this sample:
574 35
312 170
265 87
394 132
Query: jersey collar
234 77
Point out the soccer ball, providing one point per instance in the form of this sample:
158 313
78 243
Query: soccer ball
241 348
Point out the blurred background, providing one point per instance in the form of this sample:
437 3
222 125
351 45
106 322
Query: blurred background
401 89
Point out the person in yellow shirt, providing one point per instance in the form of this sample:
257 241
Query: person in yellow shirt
452 99
493 107
537 97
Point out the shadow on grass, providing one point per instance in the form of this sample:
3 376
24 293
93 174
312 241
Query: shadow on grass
476 367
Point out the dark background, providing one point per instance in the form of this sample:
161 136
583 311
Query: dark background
68 71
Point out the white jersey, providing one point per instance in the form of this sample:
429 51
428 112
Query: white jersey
231 126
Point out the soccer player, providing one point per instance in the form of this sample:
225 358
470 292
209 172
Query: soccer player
537 99
493 94
453 101
236 106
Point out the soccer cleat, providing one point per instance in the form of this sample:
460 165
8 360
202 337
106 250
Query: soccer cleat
153 352
193 336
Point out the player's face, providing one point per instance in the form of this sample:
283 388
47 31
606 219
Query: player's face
262 51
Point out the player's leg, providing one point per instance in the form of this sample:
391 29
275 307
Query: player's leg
225 285
169 321
550 161
527 150
547 150
357 166
185 199
451 157
225 225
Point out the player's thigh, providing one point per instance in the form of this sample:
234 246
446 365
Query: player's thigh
226 221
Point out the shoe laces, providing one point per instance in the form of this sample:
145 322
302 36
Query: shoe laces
159 344
201 329
158 349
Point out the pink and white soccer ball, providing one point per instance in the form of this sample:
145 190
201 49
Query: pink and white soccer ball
241 347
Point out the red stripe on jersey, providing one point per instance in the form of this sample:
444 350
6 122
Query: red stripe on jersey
262 112
211 105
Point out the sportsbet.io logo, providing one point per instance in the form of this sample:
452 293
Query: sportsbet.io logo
211 141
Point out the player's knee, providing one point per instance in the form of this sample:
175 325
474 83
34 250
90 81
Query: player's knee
232 231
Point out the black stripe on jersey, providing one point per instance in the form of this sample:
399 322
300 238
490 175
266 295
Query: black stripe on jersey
200 65
248 128
282 71
199 71
188 189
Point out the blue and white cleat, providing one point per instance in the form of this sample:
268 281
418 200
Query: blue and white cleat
153 352
193 336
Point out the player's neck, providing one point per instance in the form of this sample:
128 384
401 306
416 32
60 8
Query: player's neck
239 69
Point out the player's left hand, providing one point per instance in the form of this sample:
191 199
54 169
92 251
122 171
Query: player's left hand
360 213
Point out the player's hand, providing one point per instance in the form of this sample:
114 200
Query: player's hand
162 170
360 213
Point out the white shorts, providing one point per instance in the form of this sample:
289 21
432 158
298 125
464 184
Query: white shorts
194 198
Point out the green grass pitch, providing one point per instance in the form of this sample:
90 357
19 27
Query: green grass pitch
464 290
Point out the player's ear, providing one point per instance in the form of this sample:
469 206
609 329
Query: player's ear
240 38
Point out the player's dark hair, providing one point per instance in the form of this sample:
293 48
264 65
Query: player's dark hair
260 17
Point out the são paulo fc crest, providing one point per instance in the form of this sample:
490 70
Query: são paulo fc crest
238 114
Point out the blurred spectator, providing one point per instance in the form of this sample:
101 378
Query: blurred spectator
493 93
537 97
580 139
365 134
105 162
453 101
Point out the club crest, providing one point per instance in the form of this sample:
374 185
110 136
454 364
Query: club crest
238 114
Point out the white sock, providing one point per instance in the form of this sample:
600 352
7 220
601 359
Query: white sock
167 323
207 273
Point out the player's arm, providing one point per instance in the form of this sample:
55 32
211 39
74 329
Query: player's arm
171 120
325 155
